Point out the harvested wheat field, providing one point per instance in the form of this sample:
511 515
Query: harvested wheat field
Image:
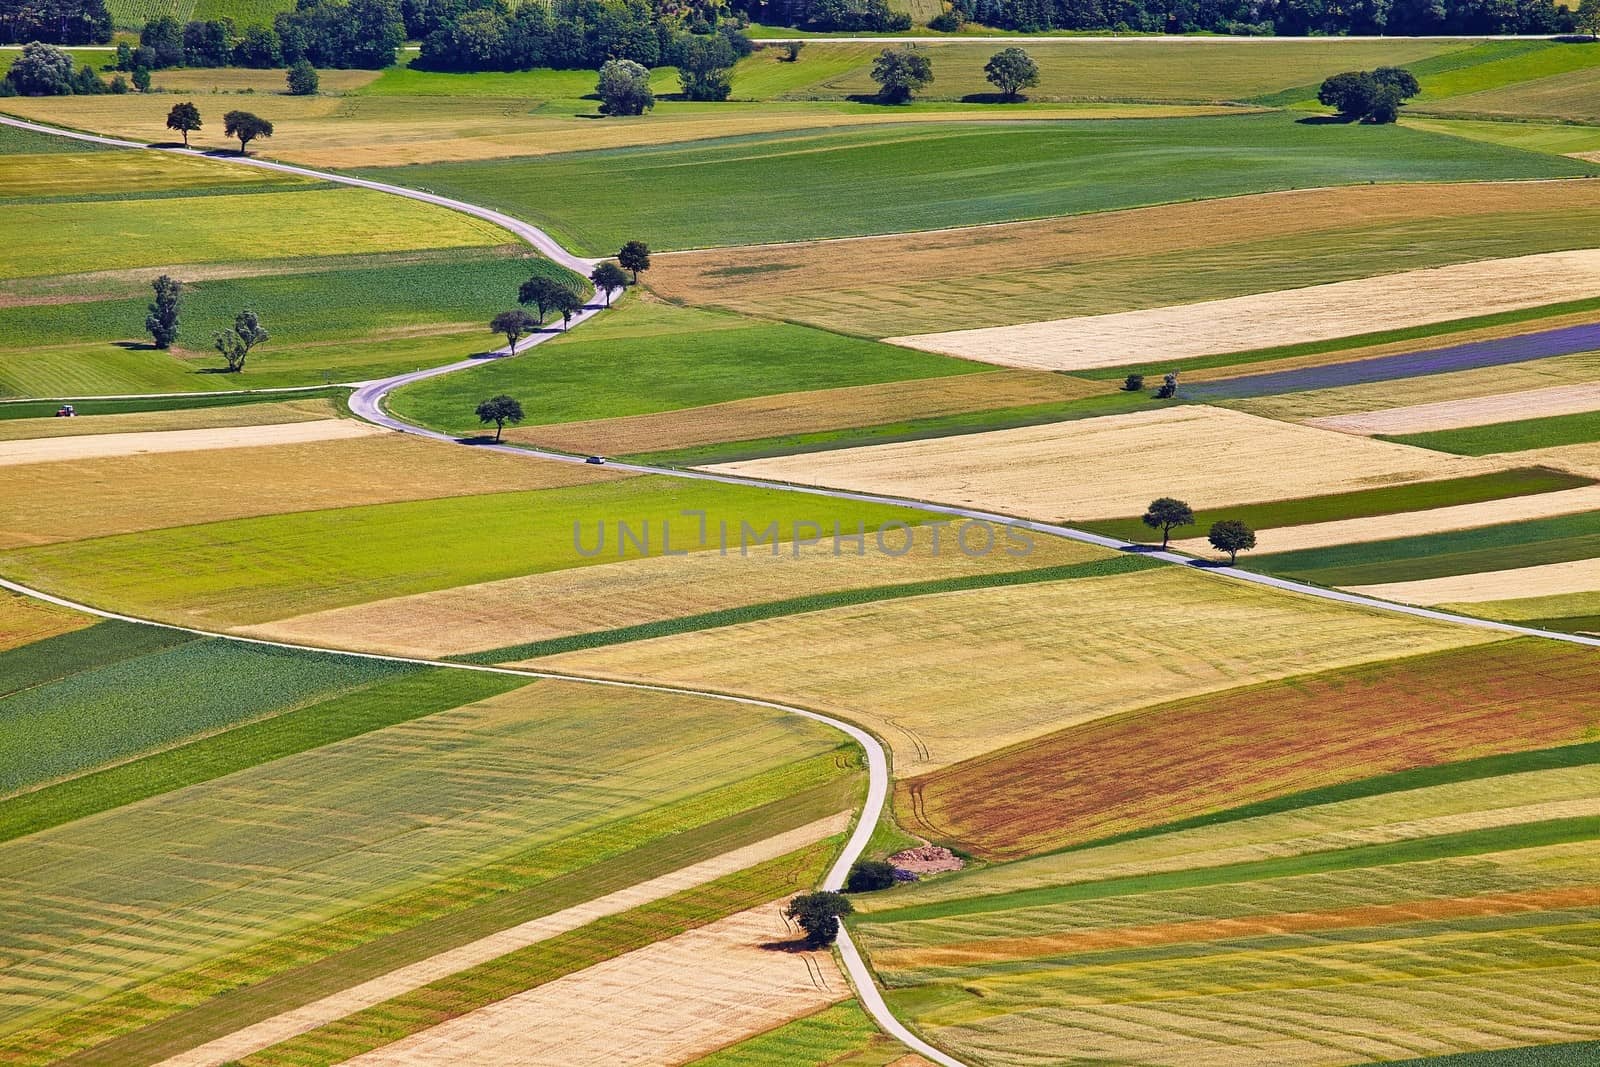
100 445
538 607
284 413
1220 750
1414 523
1115 465
948 677
1266 320
44 501
24 620
667 1003
822 409
308 1017
1581 459
1303 406
878 285
1550 579
1482 411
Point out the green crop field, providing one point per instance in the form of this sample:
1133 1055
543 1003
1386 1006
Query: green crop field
1405 559
840 1034
310 561
27 143
421 810
647 357
1390 500
243 12
132 14
1548 432
888 179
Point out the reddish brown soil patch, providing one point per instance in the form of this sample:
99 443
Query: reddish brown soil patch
1218 751
927 859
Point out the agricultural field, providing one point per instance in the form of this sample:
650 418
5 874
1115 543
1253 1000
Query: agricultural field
905 668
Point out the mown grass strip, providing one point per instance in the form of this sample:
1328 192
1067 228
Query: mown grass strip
1364 503
922 429
64 655
1517 436
1443 846
1350 343
544 962
1543 759
1567 1054
825 1037
1487 548
1570 624
388 703
180 1011
799 605
43 409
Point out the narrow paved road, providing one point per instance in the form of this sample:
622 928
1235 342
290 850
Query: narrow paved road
367 403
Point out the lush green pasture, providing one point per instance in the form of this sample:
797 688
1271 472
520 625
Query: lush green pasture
107 234
897 178
1566 1054
1497 64
253 570
830 1036
1404 559
47 408
132 706
242 12
212 888
647 357
132 14
1549 432
1546 79
98 646
540 85
1364 503
27 143
428 309
1556 138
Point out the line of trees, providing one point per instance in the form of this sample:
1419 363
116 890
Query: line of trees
1290 18
55 21
46 70
365 34
1166 514
853 15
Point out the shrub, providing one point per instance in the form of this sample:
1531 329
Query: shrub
818 915
41 70
869 876
1133 383
900 72
302 79
624 88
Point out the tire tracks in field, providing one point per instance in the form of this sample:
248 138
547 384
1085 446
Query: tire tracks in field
367 403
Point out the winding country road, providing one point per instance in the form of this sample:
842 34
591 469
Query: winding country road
367 403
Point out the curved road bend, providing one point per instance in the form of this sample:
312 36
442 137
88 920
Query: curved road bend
367 403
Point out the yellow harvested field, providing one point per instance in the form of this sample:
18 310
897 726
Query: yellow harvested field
946 677
301 1020
45 501
1575 459
24 620
1415 523
376 131
289 411
1266 320
101 445
1482 411
1109 261
667 1003
1548 579
1115 465
584 599
822 409
1577 369
237 79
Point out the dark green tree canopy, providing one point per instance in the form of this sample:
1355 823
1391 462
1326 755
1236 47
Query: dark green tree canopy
608 277
1011 70
235 344
246 127
1166 514
900 72
1231 536
869 876
634 257
545 294
185 118
515 324
624 88
302 79
818 915
41 70
162 318
499 410
705 66
1371 96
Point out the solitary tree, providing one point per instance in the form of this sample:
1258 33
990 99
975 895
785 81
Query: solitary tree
868 876
1168 387
185 118
1231 536
162 319
818 915
608 276
1133 383
1011 70
41 70
705 67
1166 514
235 344
900 72
302 79
542 293
568 304
499 410
624 88
635 257
515 324
141 79
246 127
